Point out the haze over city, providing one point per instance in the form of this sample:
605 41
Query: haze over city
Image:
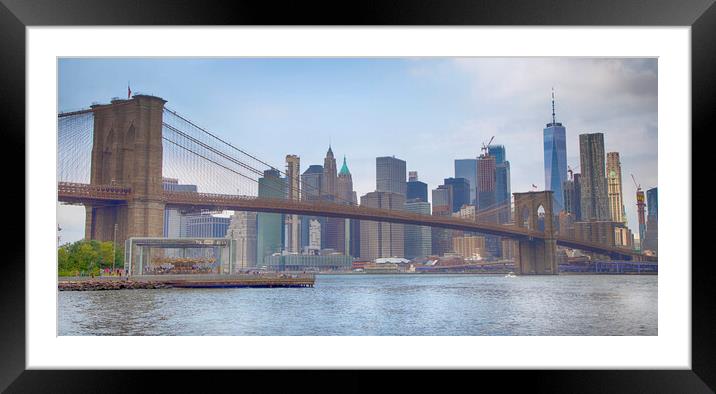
427 112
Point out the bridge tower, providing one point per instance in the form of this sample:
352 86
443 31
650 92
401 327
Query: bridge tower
127 151
535 256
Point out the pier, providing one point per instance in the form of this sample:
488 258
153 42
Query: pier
184 281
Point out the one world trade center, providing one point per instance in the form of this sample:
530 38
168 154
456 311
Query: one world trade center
555 159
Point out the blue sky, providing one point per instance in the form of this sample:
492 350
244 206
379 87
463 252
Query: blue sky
427 111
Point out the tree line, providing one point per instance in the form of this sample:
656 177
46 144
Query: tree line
88 257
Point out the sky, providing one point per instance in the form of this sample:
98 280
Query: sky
426 111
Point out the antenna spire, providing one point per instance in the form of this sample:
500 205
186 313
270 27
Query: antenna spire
553 118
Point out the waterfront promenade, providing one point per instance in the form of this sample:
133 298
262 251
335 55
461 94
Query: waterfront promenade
184 281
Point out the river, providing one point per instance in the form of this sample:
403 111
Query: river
377 305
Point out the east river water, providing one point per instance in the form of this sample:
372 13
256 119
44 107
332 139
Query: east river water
377 305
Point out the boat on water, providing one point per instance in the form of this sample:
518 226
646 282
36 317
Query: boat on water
510 275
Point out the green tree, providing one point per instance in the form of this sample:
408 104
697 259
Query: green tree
88 257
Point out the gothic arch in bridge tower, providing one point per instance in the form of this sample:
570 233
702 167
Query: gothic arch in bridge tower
522 218
535 256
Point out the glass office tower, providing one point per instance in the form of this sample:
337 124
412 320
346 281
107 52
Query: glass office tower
467 168
555 160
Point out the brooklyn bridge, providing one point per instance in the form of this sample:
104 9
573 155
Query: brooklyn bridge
113 157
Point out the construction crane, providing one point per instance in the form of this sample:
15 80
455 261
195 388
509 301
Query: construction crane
638 186
640 205
485 147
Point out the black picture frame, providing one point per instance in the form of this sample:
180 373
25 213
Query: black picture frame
15 15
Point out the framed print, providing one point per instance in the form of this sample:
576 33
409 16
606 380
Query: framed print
466 186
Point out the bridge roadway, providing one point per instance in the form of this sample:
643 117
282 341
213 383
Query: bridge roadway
78 193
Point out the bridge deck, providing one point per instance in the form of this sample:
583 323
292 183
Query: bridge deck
84 193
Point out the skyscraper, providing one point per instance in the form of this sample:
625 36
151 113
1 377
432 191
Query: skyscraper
467 168
441 238
487 197
460 192
640 204
593 181
311 186
418 239
651 235
573 197
293 174
270 225
390 175
486 182
334 229
503 189
344 185
206 226
652 202
344 191
174 220
614 188
416 189
242 228
329 174
314 235
382 239
555 159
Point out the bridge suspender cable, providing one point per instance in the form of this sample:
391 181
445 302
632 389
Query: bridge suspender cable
349 202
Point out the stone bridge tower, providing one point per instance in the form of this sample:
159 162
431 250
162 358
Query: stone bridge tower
535 256
127 151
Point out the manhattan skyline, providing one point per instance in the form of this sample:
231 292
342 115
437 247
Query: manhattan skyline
427 112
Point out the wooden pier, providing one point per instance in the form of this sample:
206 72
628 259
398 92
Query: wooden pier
185 281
